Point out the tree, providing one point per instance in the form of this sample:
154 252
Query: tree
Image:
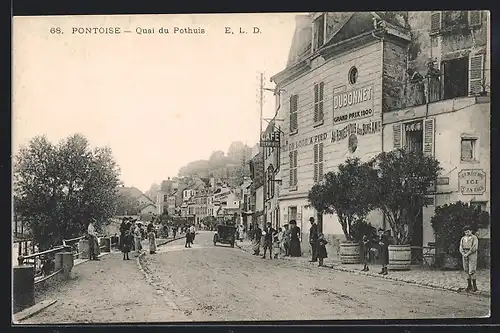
59 188
346 193
401 186
127 205
449 221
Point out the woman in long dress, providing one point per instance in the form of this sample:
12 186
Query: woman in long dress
124 238
295 250
152 240
137 239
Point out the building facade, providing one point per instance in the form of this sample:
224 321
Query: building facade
257 189
271 178
351 88
332 107
450 117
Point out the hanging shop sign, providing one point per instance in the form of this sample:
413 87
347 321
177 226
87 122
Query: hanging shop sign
343 103
359 129
472 181
270 139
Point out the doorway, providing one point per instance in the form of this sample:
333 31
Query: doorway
456 78
417 238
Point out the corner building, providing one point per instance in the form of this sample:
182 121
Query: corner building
332 105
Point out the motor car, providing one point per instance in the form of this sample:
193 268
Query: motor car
225 234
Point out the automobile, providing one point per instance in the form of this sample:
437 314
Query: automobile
225 234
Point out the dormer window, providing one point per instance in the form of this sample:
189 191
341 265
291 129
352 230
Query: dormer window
319 32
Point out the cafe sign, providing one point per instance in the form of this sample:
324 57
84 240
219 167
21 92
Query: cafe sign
472 181
270 139
343 103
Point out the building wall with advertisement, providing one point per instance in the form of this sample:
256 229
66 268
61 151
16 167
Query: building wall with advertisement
350 126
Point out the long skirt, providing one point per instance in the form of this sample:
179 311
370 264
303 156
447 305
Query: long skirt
138 245
295 250
152 245
256 245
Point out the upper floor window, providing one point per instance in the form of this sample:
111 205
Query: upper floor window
318 102
319 32
468 149
294 100
415 136
293 168
448 20
318 162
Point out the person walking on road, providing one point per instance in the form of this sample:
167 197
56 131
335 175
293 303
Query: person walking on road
268 240
152 239
188 238
192 231
366 252
93 244
174 231
137 239
286 240
295 250
241 232
468 249
125 238
384 251
257 235
313 239
276 242
321 250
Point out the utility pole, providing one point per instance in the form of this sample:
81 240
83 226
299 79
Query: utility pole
261 104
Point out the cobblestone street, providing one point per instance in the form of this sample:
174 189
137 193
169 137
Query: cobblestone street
206 283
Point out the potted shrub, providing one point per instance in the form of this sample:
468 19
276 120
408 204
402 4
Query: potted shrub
403 179
447 224
346 193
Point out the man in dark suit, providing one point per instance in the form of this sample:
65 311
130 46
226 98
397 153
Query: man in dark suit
313 239
268 240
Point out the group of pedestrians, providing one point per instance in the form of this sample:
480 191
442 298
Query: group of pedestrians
190 234
284 241
132 234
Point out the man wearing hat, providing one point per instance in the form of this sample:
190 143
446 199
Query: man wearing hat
468 249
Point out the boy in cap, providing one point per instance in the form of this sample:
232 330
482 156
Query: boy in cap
468 249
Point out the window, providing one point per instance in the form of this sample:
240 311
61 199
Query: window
318 162
318 102
294 99
474 18
353 75
467 149
415 136
293 168
292 213
456 78
454 18
319 32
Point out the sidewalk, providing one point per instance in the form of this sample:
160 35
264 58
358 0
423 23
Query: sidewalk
448 280
107 291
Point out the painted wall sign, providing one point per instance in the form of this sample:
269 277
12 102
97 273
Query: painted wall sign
351 98
356 128
305 142
472 181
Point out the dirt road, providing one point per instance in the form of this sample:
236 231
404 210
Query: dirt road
222 283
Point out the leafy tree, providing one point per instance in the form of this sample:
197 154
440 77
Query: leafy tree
127 205
401 186
449 221
346 193
59 188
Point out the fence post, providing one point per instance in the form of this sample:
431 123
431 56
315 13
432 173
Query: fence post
24 287
83 249
64 261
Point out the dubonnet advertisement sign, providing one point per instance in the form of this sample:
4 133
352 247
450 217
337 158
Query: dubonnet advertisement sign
343 102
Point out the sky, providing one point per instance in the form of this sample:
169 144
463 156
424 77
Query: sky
159 101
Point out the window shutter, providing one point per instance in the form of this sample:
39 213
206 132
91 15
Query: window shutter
466 150
295 167
429 137
320 104
315 163
474 18
475 74
316 99
320 152
291 169
396 128
435 22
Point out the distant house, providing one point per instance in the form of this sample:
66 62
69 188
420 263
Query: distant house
136 194
148 208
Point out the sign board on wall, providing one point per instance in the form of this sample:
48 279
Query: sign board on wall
343 103
270 139
472 181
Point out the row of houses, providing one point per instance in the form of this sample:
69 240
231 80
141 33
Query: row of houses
195 199
357 84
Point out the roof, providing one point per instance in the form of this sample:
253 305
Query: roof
146 205
133 193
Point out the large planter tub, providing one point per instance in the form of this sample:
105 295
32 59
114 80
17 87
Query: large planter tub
350 253
399 257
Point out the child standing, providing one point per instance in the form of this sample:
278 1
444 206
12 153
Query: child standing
366 252
468 249
322 249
